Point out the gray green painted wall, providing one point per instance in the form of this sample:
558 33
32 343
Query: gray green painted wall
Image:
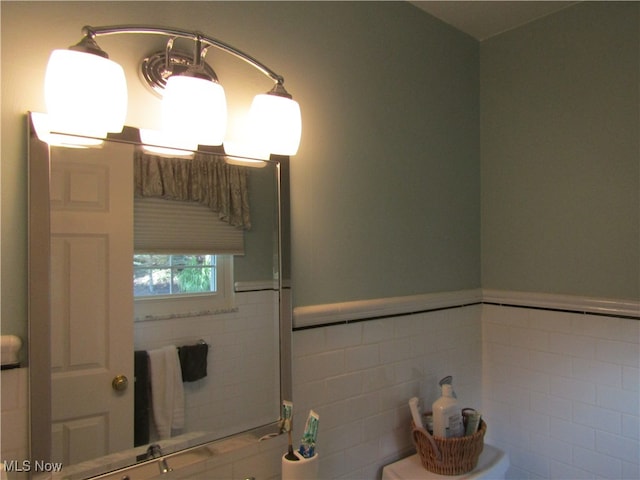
387 201
386 196
560 153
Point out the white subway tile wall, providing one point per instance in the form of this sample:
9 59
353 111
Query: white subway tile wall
239 341
560 392
14 443
359 377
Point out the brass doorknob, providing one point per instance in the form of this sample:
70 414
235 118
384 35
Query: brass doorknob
120 383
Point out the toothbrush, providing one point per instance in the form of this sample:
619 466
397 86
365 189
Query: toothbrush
287 420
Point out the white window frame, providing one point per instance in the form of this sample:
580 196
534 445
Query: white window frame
156 307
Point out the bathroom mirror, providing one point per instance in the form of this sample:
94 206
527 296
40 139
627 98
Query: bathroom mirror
92 343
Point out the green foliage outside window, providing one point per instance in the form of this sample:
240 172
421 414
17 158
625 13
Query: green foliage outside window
155 274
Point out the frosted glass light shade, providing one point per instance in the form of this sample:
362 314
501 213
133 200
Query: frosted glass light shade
239 142
276 123
85 94
166 144
245 149
43 131
194 109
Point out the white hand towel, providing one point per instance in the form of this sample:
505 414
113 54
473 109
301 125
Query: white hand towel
178 389
167 392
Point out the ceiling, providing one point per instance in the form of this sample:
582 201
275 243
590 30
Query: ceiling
484 19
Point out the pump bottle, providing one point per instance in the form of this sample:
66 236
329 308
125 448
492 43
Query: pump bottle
447 415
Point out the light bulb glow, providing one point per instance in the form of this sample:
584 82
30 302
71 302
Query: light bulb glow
244 154
194 109
166 144
85 94
245 162
276 124
240 144
42 128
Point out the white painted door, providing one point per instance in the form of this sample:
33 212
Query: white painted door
92 301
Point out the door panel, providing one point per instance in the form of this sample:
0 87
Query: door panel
81 439
92 302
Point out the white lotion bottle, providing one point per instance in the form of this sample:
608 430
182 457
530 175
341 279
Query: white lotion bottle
447 415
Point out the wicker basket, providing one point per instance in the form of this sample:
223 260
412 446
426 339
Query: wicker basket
449 456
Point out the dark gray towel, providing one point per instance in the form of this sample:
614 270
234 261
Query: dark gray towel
141 398
193 361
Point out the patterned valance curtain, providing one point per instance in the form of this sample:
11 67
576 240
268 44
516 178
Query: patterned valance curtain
206 179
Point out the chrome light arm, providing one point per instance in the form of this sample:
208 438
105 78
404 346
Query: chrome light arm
93 32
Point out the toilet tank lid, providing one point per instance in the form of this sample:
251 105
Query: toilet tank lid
493 460
493 463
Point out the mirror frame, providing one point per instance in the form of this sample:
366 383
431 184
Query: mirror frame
38 287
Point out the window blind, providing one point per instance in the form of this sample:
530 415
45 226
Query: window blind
170 226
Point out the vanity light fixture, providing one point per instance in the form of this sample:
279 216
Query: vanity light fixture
44 130
166 144
86 94
82 80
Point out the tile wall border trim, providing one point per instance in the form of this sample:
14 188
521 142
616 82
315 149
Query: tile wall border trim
315 316
565 303
360 310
